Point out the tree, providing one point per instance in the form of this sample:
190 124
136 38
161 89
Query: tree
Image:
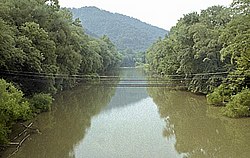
236 47
216 40
7 43
241 6
12 107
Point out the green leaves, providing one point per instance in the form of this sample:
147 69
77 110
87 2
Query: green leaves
39 37
11 102
41 102
239 105
216 40
236 39
215 16
241 6
38 41
12 107
6 44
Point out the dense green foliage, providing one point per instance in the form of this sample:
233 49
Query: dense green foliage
43 50
239 105
40 38
41 102
201 47
13 107
128 34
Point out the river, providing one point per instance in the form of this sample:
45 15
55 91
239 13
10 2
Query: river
100 121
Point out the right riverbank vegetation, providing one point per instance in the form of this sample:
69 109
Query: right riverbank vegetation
43 51
210 51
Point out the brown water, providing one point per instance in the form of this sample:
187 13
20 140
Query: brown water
93 121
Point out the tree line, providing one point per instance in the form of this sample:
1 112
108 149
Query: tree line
211 51
38 40
130 35
126 32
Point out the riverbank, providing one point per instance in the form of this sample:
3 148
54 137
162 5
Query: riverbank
116 120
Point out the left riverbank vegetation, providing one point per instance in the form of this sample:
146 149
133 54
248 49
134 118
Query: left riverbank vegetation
211 51
43 50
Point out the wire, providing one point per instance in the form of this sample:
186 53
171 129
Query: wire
108 78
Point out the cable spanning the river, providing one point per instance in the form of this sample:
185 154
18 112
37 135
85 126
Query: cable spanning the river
136 79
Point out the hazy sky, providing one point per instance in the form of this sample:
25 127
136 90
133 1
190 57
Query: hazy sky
161 13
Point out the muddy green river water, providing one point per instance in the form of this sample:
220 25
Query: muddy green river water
99 121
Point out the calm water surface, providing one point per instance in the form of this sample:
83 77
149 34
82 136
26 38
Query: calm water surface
93 121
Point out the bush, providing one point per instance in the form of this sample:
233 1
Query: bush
215 98
3 134
239 106
220 96
41 102
13 107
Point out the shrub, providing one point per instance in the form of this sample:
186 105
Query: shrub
215 98
220 96
13 107
41 102
3 134
239 106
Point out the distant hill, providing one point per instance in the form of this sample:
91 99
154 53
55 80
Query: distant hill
125 32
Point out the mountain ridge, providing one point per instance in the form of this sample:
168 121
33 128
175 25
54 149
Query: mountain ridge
126 32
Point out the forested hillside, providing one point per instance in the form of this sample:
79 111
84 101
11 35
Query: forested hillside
210 51
125 32
43 50
128 34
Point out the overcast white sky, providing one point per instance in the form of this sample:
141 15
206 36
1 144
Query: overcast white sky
161 13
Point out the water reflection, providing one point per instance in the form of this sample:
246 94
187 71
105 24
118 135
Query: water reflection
129 127
68 122
199 130
126 96
128 122
126 132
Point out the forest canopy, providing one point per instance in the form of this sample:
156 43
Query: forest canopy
131 36
39 37
42 50
211 51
